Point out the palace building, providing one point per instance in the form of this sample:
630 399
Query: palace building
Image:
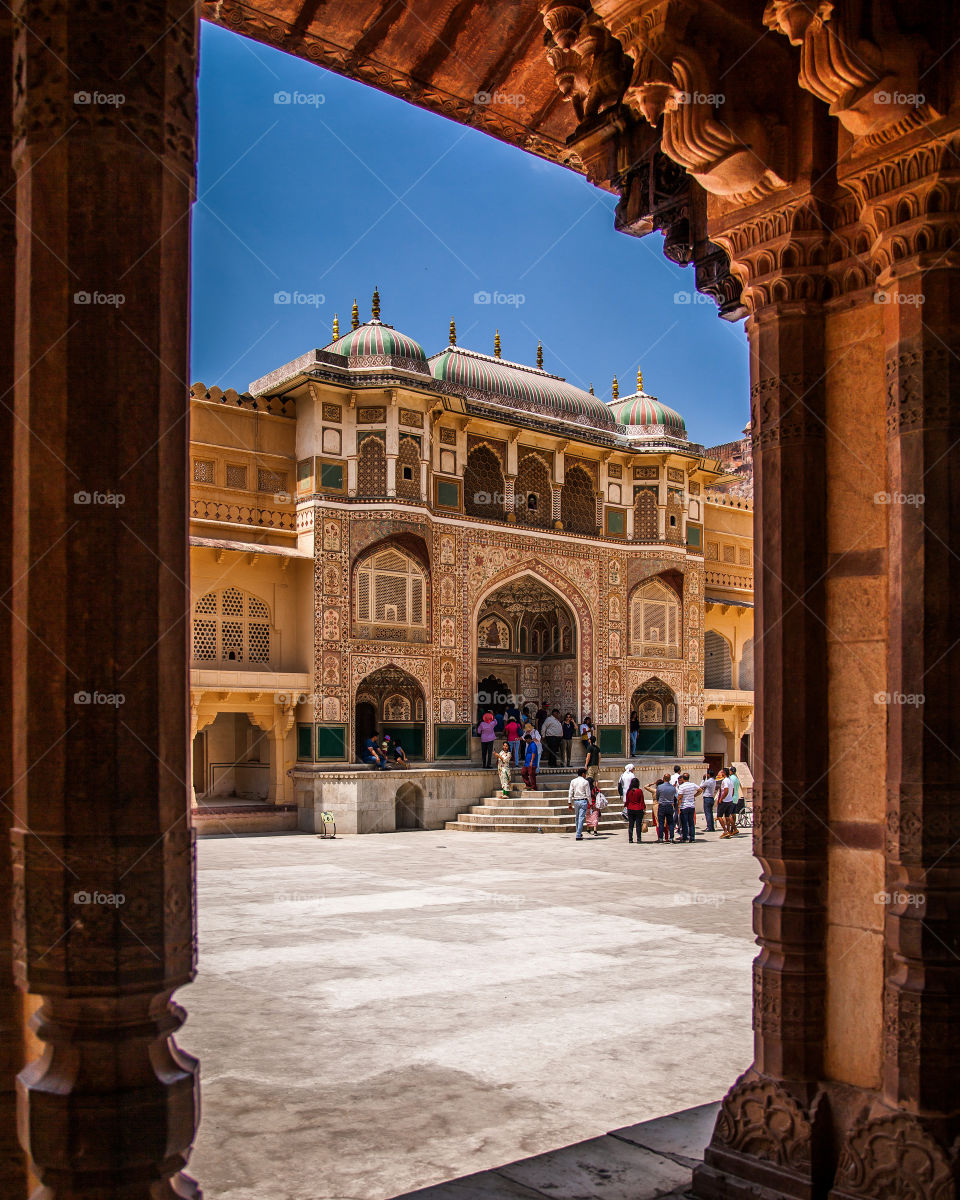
382 538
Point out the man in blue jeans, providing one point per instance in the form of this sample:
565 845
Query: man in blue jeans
372 753
578 799
666 795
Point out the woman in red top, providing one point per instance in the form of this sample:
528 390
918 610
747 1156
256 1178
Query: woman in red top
512 730
636 807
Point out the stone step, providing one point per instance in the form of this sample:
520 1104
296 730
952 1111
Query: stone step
518 823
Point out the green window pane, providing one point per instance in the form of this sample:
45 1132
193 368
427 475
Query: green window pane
452 741
448 494
610 739
693 536
331 742
694 741
411 737
305 743
616 520
657 741
331 476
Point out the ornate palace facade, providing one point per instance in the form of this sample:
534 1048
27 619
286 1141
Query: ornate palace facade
382 537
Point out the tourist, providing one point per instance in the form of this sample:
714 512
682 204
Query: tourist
579 795
487 729
531 760
735 801
552 734
372 754
636 806
598 802
513 737
626 778
569 733
675 776
634 731
709 792
541 716
593 762
723 801
688 793
504 759
586 729
666 810
399 755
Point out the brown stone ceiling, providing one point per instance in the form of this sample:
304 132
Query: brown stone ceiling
442 55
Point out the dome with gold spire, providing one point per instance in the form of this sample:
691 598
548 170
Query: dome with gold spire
376 344
644 416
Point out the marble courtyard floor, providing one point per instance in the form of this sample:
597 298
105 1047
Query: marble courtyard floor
375 1015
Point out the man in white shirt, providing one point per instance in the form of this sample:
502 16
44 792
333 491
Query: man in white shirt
688 793
578 798
552 734
623 784
675 776
732 796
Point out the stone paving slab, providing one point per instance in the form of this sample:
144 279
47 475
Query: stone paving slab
380 1014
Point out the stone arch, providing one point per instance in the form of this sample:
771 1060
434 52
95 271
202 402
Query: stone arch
408 462
483 487
645 519
578 504
533 492
717 661
390 592
656 619
408 807
371 466
658 717
232 627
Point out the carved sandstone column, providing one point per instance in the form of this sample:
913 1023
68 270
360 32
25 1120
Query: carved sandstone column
13 1179
765 1133
104 148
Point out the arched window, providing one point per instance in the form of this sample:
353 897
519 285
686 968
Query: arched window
231 627
645 516
533 492
372 467
717 661
483 484
578 503
655 621
745 673
390 589
408 469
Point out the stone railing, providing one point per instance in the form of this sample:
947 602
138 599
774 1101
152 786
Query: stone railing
242 514
741 580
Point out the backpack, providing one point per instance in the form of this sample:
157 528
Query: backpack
600 801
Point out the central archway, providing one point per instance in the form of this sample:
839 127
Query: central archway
391 701
656 709
527 648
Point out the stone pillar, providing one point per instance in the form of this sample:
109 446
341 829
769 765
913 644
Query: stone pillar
13 1179
791 764
104 149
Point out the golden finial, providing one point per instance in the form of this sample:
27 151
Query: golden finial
639 380
355 315
375 306
540 355
591 389
453 332
616 389
336 326
496 344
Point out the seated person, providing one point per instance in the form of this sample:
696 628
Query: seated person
372 754
399 755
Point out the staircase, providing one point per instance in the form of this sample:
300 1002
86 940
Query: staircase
532 812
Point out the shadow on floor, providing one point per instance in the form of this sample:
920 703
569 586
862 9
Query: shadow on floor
650 1161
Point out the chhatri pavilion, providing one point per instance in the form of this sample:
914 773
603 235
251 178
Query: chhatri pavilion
382 538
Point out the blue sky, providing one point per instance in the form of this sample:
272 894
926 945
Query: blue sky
342 188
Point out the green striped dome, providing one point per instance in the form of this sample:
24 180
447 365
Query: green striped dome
639 410
525 386
374 339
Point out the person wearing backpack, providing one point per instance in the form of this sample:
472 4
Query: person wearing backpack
636 807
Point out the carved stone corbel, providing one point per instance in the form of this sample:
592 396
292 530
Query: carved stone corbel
868 88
